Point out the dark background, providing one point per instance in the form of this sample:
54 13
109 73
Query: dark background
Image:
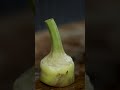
103 43
16 41
63 11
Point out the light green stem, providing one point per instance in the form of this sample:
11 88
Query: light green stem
55 36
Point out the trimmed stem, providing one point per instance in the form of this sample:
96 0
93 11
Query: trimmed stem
55 36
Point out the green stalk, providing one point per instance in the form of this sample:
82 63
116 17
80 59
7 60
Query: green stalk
57 68
55 36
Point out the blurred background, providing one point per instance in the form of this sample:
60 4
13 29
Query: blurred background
63 11
7 7
16 40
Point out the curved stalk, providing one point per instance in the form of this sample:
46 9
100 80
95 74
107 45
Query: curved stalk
57 68
55 36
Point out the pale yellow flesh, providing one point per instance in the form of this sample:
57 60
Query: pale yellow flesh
57 75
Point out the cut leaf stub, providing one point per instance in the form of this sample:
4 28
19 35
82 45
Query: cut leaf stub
57 68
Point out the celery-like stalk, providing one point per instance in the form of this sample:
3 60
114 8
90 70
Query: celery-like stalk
57 68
